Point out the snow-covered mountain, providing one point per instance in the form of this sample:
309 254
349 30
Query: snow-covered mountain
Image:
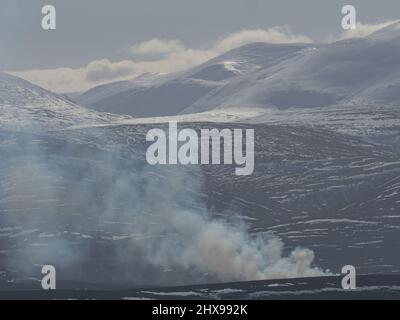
351 72
99 93
24 104
165 95
362 71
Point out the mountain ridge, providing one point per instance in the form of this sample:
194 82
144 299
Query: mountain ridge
262 75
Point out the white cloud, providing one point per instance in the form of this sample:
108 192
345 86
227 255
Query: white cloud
104 69
272 35
158 46
364 30
57 80
174 57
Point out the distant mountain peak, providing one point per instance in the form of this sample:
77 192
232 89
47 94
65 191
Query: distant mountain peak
23 105
19 91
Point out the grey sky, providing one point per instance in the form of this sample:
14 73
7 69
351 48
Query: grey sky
89 30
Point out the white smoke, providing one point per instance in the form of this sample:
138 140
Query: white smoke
232 254
187 236
127 220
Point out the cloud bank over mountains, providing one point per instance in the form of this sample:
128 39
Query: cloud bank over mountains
167 56
364 30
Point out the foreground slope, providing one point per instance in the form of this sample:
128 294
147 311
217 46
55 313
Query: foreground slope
329 288
85 201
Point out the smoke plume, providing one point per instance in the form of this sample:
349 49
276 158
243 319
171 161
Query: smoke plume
100 214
